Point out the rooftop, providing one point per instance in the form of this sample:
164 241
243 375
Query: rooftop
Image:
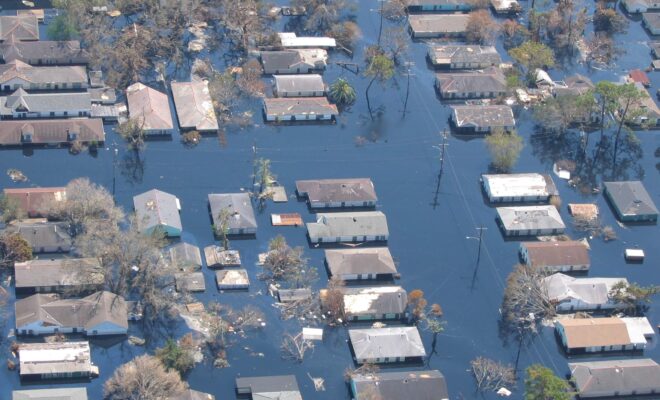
631 198
615 376
58 357
73 393
19 27
519 185
291 40
286 106
368 260
299 83
19 70
562 287
348 224
149 106
489 80
154 208
595 332
59 272
240 206
417 385
386 342
557 253
35 201
438 23
477 116
337 190
445 54
22 101
530 218
194 106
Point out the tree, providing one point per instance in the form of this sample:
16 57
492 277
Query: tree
346 34
175 357
333 302
222 229
481 28
13 248
294 347
417 305
10 209
564 24
249 81
542 384
629 97
342 93
62 28
608 20
132 130
631 296
380 68
515 34
532 55
491 374
395 43
606 93
602 49
526 301
561 112
287 265
143 378
504 148
264 178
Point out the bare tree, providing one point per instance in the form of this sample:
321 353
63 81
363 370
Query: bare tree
333 302
481 28
142 378
491 374
248 318
287 265
294 347
526 300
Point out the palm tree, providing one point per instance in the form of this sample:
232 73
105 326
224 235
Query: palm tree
342 93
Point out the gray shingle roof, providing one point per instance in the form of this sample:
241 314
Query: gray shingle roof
60 272
194 106
20 27
154 208
45 235
337 190
386 342
489 80
75 393
17 69
20 100
631 198
413 385
285 59
530 217
464 54
47 131
438 23
286 106
348 224
368 260
241 206
65 52
280 387
299 83
600 378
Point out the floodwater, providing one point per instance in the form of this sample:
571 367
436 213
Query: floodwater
429 222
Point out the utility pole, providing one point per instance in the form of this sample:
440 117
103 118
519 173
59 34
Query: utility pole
481 230
254 166
380 28
441 147
114 163
408 64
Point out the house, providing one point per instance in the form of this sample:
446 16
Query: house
101 313
530 220
299 86
422 26
645 111
463 56
616 378
372 303
299 109
43 52
194 106
631 201
655 48
580 294
21 28
291 295
40 13
17 74
417 385
218 257
57 360
518 188
35 202
338 193
50 132
505 6
301 61
65 393
368 226
651 21
283 387
45 237
190 394
488 83
483 118
387 345
361 263
557 256
289 40
414 6
21 104
150 108
574 85
159 210
239 205
102 95
232 279
583 211
185 256
57 276
639 76
593 335
190 282
640 6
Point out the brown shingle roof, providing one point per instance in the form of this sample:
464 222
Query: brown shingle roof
595 332
21 28
51 131
547 254
34 201
150 106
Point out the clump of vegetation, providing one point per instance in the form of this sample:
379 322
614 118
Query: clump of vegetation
504 148
13 248
532 55
417 305
294 347
191 138
144 377
380 68
632 297
481 28
286 265
176 356
492 375
525 302
542 384
76 147
342 93
555 201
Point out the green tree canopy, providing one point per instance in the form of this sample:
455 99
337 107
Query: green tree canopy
175 357
532 55
62 28
342 93
542 384
504 148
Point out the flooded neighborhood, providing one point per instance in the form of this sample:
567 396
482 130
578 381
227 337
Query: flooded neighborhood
329 199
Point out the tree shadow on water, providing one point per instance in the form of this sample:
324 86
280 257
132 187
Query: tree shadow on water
132 167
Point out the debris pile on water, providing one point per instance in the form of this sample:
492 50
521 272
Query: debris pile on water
16 175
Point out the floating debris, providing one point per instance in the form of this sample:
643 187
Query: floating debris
16 175
136 341
319 383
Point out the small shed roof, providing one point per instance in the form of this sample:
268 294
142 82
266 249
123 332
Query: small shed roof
232 278
216 256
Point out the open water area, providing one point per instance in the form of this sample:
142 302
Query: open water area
430 220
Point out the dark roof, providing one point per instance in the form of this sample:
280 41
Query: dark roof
33 201
478 116
438 23
285 106
464 54
49 131
489 80
652 19
60 272
241 205
284 59
268 384
631 198
413 385
45 235
600 378
44 102
74 393
20 27
368 260
185 255
65 52
337 190
575 85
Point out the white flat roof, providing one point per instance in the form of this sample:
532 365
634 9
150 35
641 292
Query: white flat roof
289 39
516 185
